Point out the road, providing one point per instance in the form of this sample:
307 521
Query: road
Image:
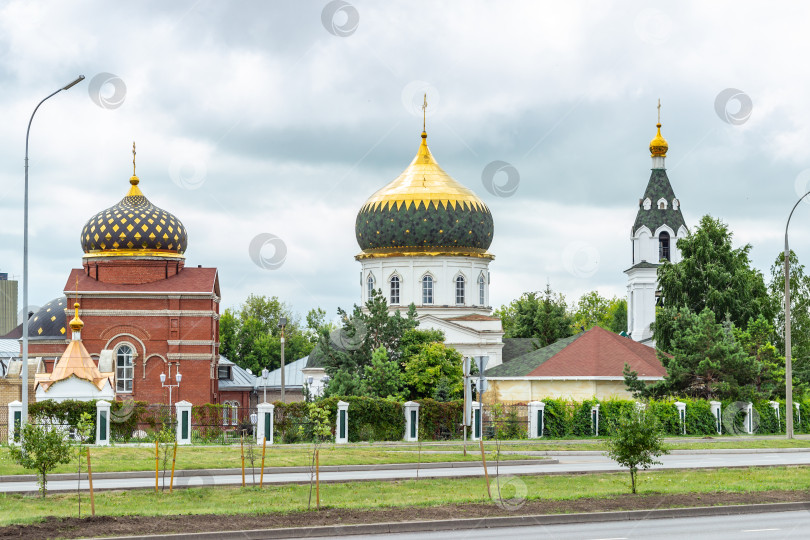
590 463
742 527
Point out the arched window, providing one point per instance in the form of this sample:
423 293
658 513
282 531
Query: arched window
663 246
370 283
481 290
427 290
234 413
394 290
460 290
123 369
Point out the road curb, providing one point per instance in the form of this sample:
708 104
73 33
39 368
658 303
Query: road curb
274 470
484 523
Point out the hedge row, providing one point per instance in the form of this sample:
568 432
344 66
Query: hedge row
373 419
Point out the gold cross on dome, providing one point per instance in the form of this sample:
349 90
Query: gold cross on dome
133 158
424 111
659 110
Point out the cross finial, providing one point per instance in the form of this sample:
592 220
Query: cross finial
424 112
659 110
133 158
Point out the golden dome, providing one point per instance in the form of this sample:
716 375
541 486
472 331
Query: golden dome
658 145
76 324
426 182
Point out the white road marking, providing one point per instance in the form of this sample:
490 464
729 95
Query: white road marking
760 530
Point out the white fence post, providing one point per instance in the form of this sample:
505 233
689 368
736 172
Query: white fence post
798 414
264 427
477 419
775 405
183 422
749 418
537 420
14 421
718 423
411 409
342 427
102 423
681 406
595 420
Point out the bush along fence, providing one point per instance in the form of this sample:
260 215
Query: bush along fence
355 419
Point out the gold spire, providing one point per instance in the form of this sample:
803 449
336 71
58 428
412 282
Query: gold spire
134 191
76 324
424 117
658 145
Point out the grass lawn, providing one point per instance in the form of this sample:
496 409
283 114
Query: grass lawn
128 458
290 498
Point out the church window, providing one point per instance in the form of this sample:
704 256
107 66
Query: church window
675 204
123 369
647 204
663 246
370 283
460 290
662 204
427 290
481 290
394 290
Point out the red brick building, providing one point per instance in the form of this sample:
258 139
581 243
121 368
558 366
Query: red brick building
145 313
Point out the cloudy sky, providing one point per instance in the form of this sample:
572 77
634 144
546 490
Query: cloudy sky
281 118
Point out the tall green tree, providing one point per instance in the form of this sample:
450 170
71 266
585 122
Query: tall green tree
799 315
543 316
712 274
250 335
433 366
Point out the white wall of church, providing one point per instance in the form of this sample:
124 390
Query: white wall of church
443 270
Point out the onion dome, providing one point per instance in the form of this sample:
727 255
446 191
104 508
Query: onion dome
658 145
134 228
424 211
49 321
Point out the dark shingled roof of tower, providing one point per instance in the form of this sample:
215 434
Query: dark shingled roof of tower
657 188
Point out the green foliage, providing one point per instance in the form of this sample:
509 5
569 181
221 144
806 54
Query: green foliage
434 363
208 419
251 337
543 316
595 310
507 422
714 275
799 318
383 378
635 441
557 418
440 420
42 449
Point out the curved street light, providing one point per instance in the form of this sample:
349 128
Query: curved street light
24 373
788 362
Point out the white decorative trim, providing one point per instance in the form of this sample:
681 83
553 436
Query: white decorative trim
149 313
148 295
181 342
600 378
195 356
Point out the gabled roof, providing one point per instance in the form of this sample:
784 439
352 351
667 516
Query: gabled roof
594 353
293 375
189 280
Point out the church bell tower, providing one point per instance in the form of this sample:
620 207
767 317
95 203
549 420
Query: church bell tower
654 235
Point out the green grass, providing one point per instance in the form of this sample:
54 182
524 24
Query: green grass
426 492
142 458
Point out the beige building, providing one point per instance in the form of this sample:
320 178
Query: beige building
8 304
584 366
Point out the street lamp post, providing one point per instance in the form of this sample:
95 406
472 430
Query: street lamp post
265 374
788 361
178 377
25 258
282 322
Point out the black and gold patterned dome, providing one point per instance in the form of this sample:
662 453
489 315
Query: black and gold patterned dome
49 322
134 227
424 211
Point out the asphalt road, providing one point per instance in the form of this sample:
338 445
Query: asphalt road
590 463
742 527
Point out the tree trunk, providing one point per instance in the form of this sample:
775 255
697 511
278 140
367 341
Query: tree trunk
633 479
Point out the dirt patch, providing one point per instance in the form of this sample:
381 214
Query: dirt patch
137 525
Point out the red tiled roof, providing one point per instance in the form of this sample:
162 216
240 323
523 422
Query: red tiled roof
473 317
600 353
195 280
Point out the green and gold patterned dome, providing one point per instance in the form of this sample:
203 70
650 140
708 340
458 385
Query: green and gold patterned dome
424 211
134 228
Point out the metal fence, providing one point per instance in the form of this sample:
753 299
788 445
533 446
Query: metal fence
500 421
